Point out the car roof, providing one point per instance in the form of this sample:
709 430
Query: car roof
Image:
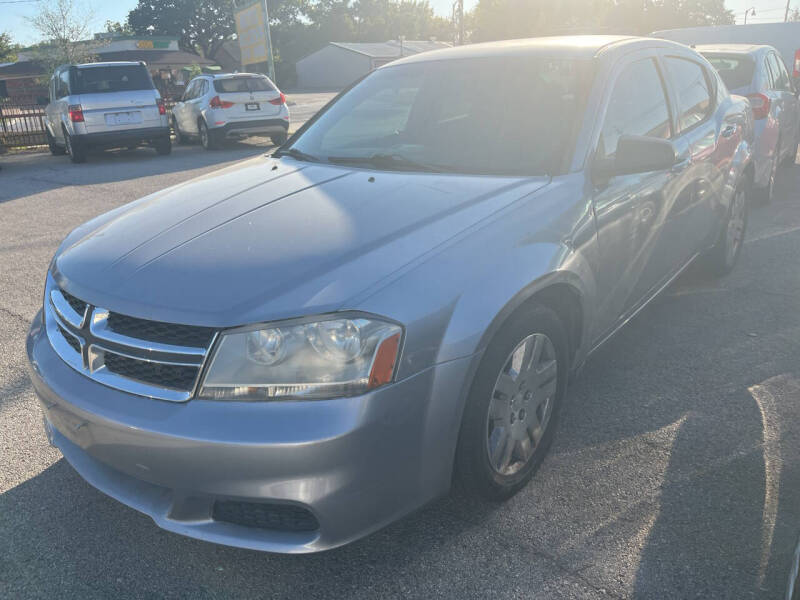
571 46
733 48
232 75
121 63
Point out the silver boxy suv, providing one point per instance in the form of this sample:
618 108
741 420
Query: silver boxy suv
104 105
295 351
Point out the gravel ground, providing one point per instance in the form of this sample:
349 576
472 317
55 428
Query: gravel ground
675 473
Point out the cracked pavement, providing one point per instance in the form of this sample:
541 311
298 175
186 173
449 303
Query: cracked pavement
675 473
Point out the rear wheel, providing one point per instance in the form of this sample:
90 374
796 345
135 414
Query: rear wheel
77 153
179 137
764 194
207 137
512 410
278 139
163 146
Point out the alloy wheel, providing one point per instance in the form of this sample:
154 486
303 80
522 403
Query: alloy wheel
521 404
736 225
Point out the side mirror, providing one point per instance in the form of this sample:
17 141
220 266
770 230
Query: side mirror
636 154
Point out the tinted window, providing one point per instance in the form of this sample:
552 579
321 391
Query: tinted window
243 84
780 72
63 84
691 86
637 106
98 80
509 116
737 71
191 89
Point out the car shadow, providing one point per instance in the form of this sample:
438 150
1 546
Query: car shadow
33 173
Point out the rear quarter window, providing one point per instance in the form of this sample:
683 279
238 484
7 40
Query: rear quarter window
692 88
735 71
243 84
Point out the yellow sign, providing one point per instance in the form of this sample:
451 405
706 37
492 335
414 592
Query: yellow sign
252 34
145 44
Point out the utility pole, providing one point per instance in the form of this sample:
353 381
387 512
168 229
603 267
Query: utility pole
786 15
458 21
270 60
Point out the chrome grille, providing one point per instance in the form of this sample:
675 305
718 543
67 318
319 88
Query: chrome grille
147 358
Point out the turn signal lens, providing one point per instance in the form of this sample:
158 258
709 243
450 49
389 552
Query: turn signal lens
162 108
385 359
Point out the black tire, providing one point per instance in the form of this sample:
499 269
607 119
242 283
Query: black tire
721 258
179 137
765 194
55 149
163 146
791 157
77 153
207 137
473 470
279 139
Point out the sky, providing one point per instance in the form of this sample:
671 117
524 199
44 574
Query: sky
13 13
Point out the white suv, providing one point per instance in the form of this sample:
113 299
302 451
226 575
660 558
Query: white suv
104 105
216 107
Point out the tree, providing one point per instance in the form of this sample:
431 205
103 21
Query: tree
64 28
200 25
117 27
8 50
505 19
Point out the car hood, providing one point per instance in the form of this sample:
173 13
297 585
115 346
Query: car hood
271 239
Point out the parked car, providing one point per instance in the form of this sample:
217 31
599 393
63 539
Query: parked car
758 73
104 105
292 353
785 37
218 107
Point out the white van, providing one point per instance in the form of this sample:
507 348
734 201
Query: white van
785 37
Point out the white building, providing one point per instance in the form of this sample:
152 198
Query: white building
340 63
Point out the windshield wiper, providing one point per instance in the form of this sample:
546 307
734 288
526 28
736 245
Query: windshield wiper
386 161
296 154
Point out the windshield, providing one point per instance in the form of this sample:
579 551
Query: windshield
97 80
498 116
243 84
736 70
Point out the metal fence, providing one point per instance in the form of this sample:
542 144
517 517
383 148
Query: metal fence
22 125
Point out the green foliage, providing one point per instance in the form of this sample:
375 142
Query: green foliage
8 49
117 27
200 25
507 19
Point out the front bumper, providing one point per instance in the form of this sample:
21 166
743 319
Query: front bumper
123 137
355 463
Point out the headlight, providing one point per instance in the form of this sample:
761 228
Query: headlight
320 359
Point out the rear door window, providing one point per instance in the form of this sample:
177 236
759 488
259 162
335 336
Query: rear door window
123 78
243 84
637 106
693 91
781 74
736 71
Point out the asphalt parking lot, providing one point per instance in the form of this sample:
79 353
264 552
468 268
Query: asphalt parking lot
676 472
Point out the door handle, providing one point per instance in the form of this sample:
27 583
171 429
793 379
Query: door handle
728 131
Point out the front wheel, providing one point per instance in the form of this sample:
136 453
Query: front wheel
512 410
721 259
54 148
207 138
